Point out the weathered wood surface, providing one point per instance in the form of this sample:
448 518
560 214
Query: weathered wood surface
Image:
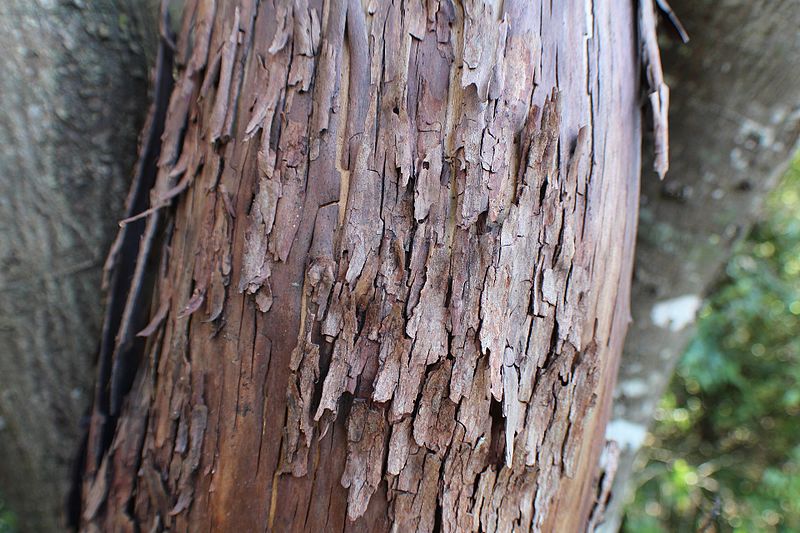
392 246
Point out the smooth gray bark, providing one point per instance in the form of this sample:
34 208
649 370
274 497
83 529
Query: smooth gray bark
734 123
73 93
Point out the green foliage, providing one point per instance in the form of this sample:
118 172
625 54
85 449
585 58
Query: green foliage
725 449
8 522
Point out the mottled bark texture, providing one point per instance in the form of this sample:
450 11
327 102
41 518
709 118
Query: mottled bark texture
390 245
734 125
73 95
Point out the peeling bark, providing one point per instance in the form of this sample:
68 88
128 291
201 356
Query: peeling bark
392 285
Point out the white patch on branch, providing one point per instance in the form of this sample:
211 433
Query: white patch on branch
752 134
626 434
676 313
634 388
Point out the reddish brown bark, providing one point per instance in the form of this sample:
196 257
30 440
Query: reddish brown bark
392 245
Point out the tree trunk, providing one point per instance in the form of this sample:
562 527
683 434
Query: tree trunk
73 88
734 126
389 249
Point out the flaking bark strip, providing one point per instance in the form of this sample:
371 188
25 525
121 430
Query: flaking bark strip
658 91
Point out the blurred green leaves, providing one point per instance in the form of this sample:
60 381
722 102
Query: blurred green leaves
724 452
8 522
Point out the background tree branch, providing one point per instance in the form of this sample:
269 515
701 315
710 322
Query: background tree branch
734 125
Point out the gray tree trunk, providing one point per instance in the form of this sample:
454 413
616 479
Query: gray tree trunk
734 124
73 92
